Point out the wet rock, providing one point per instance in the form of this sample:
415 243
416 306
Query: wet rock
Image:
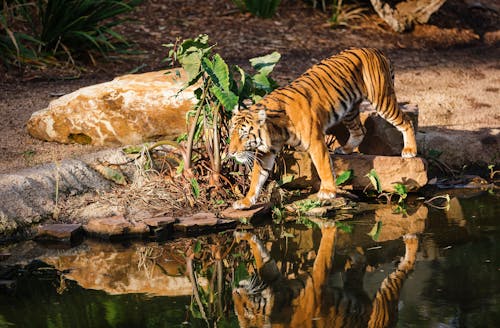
161 221
382 138
411 172
325 209
202 223
115 226
127 110
60 232
160 227
257 212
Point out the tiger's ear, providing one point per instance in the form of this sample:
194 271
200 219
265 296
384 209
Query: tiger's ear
261 116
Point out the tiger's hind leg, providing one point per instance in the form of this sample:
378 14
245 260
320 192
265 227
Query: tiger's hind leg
388 109
356 131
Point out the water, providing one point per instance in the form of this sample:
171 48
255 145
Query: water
453 282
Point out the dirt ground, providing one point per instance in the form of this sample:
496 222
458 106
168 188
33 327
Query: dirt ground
449 67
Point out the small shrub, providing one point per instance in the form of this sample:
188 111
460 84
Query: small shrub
259 8
343 14
42 31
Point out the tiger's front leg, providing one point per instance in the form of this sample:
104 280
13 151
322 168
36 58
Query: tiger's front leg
321 159
262 166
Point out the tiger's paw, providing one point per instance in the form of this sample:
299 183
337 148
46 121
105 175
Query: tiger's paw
343 150
409 152
242 235
242 204
326 194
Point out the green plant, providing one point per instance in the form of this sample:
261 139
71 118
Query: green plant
221 89
344 177
82 25
375 231
259 8
374 180
342 14
40 32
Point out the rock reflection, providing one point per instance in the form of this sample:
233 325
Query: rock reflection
122 270
270 299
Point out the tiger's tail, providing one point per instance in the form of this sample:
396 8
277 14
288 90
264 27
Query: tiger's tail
385 304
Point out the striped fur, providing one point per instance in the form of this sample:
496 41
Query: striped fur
271 300
300 113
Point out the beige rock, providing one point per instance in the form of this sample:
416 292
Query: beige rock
127 110
412 172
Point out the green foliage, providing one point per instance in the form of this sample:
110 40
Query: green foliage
375 180
342 14
259 8
344 177
307 205
401 191
345 227
375 231
221 89
40 32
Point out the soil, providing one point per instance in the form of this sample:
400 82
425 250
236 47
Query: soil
449 67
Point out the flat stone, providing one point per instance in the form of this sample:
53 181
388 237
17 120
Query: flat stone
411 172
202 223
115 226
160 227
160 221
59 232
127 110
257 211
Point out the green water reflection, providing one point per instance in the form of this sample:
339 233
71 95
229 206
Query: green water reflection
454 282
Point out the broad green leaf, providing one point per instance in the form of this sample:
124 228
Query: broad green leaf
265 64
218 71
261 81
191 64
343 177
375 181
226 97
375 232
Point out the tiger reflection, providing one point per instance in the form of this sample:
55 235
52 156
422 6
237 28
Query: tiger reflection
270 300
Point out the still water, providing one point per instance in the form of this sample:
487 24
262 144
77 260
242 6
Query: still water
426 268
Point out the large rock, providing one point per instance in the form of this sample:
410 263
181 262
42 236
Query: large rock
382 138
412 172
127 110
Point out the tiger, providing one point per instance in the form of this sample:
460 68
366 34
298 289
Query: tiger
268 299
300 114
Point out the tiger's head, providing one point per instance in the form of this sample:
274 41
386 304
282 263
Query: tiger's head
253 303
248 134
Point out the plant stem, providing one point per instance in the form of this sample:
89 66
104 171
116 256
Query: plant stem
192 131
